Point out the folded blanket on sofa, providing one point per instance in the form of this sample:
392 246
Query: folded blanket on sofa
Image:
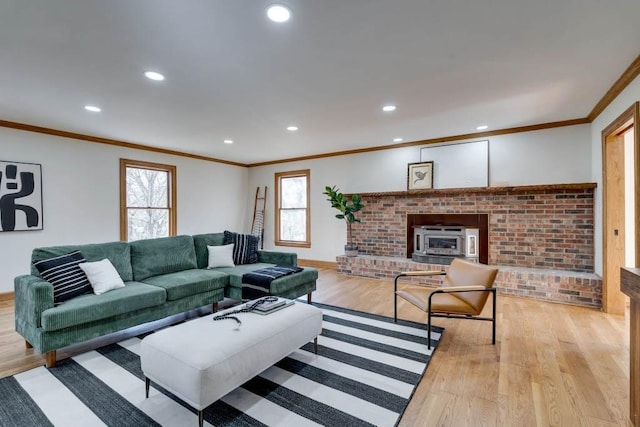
256 284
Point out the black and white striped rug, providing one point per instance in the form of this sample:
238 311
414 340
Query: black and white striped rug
365 372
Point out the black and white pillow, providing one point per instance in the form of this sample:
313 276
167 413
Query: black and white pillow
65 275
245 247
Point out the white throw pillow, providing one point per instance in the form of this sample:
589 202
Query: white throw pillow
102 275
221 256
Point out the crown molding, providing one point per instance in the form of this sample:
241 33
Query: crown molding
623 81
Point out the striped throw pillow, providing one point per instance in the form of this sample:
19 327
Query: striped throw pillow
245 247
65 275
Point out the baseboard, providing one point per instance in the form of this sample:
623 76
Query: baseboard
317 264
6 296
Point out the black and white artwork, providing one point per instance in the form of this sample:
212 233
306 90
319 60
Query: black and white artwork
20 196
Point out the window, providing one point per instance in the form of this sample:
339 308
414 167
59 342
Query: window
147 200
292 209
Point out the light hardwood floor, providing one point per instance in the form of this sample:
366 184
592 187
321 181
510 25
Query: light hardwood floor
552 364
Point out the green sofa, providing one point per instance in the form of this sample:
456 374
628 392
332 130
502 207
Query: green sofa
162 277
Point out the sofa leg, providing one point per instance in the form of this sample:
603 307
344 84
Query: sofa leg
309 298
215 307
50 358
27 344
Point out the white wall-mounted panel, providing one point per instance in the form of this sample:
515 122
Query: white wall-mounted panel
458 165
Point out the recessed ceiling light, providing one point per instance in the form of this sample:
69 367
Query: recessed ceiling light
152 75
483 127
228 141
278 13
389 108
397 139
92 108
292 128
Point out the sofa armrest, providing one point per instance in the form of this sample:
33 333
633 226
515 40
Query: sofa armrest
281 258
33 295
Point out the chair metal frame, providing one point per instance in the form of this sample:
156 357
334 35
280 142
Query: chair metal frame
430 314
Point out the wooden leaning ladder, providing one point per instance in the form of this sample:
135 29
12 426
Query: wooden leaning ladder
259 208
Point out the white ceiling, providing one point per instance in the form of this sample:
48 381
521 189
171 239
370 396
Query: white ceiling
449 66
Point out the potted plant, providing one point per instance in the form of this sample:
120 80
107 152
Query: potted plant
347 207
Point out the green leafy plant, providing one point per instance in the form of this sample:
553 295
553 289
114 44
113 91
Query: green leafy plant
347 207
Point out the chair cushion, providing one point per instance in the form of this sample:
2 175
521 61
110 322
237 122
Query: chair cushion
440 303
189 282
465 273
89 308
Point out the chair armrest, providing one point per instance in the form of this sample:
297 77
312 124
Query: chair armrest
423 273
33 295
275 257
416 274
450 289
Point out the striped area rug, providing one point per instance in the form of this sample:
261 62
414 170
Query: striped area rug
365 372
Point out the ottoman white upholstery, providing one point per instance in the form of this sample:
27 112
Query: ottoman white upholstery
202 360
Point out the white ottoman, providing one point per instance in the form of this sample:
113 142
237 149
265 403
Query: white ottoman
202 360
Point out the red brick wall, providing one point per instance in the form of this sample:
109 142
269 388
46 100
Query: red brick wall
547 229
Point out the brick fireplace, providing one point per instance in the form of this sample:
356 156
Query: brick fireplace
541 237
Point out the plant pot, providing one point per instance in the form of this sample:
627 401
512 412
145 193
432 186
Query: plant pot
351 250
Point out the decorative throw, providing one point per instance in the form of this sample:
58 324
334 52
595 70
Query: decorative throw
65 275
245 249
257 283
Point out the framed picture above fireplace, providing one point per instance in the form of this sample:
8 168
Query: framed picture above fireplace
420 176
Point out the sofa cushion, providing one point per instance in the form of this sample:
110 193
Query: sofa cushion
64 273
118 253
88 308
102 275
201 241
235 273
189 282
155 257
245 249
220 256
279 286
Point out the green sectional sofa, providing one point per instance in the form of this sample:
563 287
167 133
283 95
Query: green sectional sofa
162 277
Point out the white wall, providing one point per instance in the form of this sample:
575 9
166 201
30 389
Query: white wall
81 193
551 156
628 96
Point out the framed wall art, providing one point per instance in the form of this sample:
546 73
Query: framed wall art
20 196
420 176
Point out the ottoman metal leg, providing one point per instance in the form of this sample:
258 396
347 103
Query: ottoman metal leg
200 418
147 382
315 345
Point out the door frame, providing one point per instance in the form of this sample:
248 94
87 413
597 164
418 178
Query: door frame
630 117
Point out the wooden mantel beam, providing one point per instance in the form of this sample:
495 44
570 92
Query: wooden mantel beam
488 190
